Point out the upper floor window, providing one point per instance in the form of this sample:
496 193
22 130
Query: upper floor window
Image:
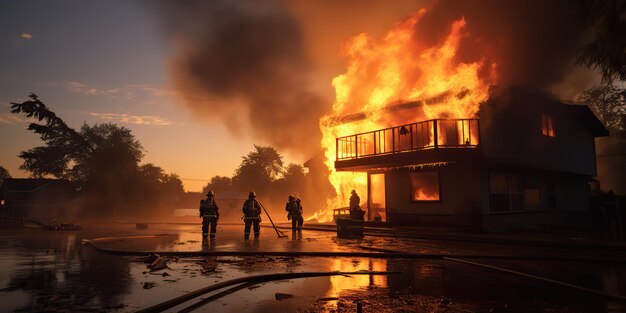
547 125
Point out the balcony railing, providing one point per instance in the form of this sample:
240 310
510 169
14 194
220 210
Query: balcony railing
431 134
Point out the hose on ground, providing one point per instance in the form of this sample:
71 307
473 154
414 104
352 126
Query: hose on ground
539 278
160 307
381 254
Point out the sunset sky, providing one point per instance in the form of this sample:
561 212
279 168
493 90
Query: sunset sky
107 61
133 63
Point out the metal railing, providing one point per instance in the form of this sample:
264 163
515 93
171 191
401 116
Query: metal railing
431 134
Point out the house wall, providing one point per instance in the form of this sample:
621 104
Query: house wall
460 198
511 133
465 200
572 203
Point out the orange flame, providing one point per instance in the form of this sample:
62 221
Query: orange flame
397 69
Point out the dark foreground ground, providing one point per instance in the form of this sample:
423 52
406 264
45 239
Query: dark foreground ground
53 272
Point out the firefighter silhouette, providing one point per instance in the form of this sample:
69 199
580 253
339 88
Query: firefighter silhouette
209 211
251 216
294 212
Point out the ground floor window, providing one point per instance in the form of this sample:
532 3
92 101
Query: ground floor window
425 186
551 194
505 191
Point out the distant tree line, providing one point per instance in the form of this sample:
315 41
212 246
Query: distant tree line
101 160
264 171
608 102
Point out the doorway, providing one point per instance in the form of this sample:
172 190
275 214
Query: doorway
377 201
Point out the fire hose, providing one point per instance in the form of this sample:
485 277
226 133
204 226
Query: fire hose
278 232
160 307
382 253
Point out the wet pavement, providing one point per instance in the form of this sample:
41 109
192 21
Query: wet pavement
52 271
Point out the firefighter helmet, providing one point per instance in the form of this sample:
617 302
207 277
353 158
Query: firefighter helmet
252 194
210 193
291 197
353 192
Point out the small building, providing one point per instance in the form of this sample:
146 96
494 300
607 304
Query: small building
525 162
37 199
230 203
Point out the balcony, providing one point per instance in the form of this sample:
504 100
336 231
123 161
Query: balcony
407 143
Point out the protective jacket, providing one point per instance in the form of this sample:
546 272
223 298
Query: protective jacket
251 209
355 202
294 208
210 209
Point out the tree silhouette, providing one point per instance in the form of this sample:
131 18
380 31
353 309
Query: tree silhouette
607 50
101 160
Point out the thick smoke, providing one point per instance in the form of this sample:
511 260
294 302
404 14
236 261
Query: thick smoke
242 63
534 42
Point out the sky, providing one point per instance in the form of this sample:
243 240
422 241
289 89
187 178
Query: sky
109 61
96 62
200 82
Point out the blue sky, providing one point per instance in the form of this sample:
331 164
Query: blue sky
96 63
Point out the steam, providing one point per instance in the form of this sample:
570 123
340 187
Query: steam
242 63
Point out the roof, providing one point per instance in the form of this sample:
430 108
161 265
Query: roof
590 119
31 184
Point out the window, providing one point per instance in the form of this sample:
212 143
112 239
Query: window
547 125
532 190
377 200
551 193
425 186
505 191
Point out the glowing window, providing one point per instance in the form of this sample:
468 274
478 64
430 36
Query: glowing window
547 125
425 186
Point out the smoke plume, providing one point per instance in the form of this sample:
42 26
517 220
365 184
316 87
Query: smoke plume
534 42
242 63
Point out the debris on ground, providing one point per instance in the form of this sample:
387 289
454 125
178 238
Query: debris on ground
149 285
148 258
282 296
60 226
158 264
141 226
445 301
328 299
253 287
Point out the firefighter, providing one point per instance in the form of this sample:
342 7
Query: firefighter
294 209
210 213
355 201
252 216
355 206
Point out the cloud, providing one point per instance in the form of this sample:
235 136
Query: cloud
129 91
10 119
26 36
133 119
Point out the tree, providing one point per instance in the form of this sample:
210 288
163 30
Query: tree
218 183
101 160
4 174
608 103
607 50
259 169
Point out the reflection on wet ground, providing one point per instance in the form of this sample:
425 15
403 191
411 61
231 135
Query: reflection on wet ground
51 271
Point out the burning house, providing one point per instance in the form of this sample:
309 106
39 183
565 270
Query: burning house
524 161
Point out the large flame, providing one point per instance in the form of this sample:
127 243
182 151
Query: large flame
399 68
